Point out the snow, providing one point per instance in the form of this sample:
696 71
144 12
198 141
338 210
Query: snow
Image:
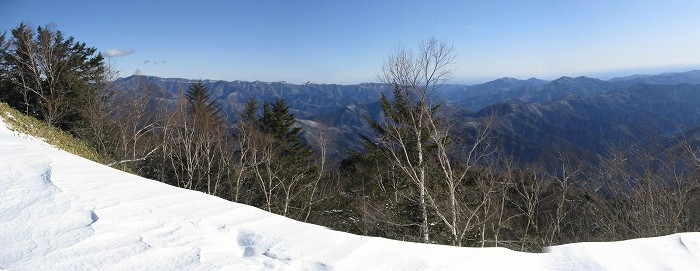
673 252
62 212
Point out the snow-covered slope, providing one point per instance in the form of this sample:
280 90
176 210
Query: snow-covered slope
62 212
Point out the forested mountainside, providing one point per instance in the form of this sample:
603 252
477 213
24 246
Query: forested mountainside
635 115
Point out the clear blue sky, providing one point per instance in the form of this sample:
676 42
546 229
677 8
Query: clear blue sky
346 41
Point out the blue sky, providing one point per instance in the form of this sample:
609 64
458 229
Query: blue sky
346 41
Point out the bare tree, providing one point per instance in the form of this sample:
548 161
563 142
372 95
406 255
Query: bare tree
651 190
529 189
261 161
134 119
197 144
564 172
278 187
243 148
323 142
404 133
97 129
454 167
499 180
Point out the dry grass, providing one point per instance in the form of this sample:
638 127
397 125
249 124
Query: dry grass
22 123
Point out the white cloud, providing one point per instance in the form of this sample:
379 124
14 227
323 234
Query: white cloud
469 27
118 52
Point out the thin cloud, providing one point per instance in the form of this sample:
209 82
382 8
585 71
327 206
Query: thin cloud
469 27
154 62
118 52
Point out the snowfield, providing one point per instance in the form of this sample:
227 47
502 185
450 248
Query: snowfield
62 212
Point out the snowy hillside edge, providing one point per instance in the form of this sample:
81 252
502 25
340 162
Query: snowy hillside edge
59 211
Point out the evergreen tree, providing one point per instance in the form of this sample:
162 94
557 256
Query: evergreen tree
6 93
52 76
203 107
250 111
278 121
199 142
283 164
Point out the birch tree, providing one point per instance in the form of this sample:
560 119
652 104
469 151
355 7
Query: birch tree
404 134
454 165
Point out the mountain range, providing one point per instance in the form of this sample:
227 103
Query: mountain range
534 115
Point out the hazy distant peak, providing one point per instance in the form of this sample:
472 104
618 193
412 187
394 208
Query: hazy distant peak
536 80
580 79
670 78
507 79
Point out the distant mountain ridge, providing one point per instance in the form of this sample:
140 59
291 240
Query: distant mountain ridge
307 99
581 112
671 78
594 124
538 92
337 107
473 97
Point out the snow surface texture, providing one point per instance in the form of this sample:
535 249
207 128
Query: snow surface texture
62 212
